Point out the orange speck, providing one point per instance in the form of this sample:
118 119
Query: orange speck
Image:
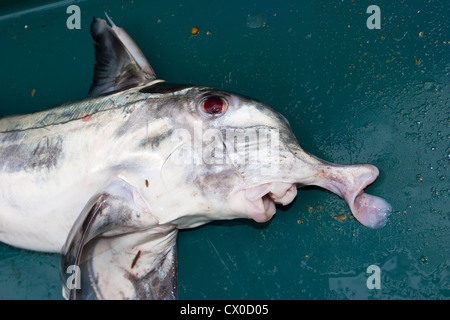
382 37
342 217
194 31
86 117
146 183
32 92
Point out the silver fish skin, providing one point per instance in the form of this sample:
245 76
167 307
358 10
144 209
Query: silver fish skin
109 180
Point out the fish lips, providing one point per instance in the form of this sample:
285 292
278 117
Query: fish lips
260 200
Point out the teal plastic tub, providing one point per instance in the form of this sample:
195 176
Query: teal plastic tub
351 94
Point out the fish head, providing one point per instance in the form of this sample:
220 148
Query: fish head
243 141
241 158
205 155
228 156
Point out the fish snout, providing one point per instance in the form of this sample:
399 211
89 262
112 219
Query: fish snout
349 182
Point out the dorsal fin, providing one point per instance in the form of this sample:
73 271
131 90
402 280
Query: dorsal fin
120 64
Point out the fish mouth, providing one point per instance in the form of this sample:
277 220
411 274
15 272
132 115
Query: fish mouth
261 199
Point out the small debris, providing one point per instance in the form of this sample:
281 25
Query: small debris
423 259
342 217
135 259
194 31
33 92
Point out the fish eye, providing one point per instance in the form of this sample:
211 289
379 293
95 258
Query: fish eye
213 105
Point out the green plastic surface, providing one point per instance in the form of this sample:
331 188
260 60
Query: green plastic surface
351 95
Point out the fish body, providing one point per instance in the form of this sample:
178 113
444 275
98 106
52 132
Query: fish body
58 158
109 180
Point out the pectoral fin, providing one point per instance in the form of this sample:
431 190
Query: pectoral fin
116 250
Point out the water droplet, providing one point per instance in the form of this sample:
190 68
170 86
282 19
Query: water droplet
434 192
255 21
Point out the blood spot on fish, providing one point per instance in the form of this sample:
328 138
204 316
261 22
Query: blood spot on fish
321 173
135 259
146 183
86 117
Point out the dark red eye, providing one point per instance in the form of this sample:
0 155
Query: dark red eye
213 105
